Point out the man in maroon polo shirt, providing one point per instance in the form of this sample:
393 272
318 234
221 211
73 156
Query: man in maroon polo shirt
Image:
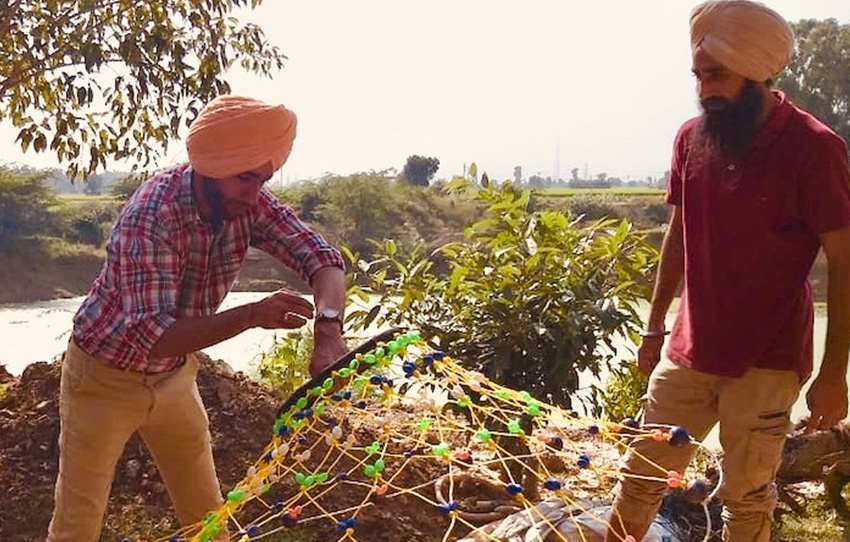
758 187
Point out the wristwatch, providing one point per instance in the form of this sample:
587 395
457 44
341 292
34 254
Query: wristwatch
330 315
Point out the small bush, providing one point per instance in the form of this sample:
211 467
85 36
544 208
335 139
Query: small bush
623 391
286 366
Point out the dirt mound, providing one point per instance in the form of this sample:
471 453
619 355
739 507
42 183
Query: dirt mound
241 416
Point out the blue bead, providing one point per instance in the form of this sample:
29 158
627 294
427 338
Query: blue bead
513 489
583 461
336 397
630 422
282 430
361 404
253 530
299 415
267 458
439 354
408 454
277 507
594 429
308 412
679 437
408 367
573 414
341 476
552 484
376 380
448 507
346 395
557 443
427 359
345 524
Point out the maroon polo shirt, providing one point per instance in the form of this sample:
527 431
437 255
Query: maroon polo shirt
750 237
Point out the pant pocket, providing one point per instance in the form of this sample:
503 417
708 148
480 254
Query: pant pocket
764 452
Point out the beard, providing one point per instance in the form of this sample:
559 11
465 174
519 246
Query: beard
731 125
221 208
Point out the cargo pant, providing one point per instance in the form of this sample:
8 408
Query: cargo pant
100 407
754 416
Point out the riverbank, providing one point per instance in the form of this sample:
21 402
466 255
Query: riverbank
53 269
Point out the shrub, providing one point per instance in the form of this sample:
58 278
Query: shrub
24 206
286 366
621 397
531 298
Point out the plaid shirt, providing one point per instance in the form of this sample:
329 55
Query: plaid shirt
163 263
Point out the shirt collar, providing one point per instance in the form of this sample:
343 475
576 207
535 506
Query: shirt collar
775 123
186 196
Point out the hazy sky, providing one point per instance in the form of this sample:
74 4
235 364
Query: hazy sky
501 83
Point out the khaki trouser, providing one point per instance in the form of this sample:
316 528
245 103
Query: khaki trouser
754 415
100 407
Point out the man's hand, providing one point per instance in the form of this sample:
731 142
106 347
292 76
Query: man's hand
328 346
649 354
827 400
281 310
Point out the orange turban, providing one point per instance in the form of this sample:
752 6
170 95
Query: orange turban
747 37
234 134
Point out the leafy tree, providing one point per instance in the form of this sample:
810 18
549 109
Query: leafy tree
420 169
92 80
24 203
531 298
818 77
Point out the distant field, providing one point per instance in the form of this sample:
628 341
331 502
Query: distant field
560 192
78 198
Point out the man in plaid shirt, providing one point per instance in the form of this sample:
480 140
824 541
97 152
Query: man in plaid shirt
173 255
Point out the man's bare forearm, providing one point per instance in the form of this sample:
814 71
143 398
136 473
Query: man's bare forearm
328 285
838 320
671 268
192 334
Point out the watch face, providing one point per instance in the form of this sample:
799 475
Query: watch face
329 314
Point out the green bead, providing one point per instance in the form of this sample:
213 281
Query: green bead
266 488
353 364
533 409
370 471
504 395
345 372
415 337
317 391
373 448
464 402
380 352
210 517
359 382
322 477
525 396
205 536
298 424
236 496
379 465
319 409
328 384
300 478
309 481
440 450
514 427
370 359
302 403
423 424
394 346
483 435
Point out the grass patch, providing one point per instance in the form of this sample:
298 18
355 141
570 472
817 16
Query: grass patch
563 192
820 524
85 198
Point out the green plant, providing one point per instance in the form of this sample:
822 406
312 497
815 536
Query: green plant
286 366
24 206
620 398
531 299
124 187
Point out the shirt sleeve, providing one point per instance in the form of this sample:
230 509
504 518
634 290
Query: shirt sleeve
825 198
674 184
277 231
149 276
